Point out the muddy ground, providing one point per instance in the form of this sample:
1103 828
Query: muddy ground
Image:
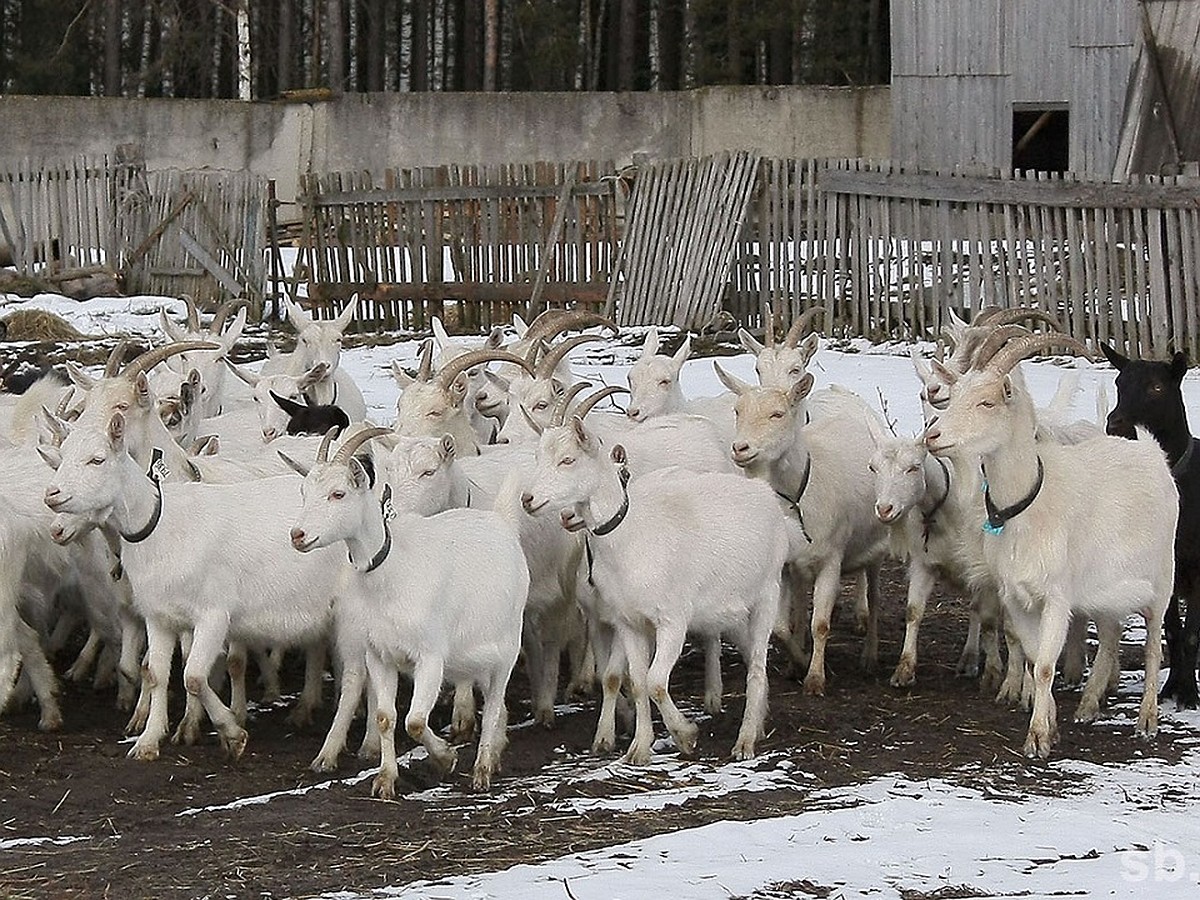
142 830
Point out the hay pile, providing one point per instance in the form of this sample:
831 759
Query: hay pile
37 325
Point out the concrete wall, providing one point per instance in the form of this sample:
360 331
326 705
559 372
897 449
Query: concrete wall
375 131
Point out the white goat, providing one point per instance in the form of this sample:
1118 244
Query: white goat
1083 529
441 597
320 342
272 419
214 392
819 472
199 558
675 552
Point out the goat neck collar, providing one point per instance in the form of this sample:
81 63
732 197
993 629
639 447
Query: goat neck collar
928 517
388 513
619 516
156 472
794 502
997 518
1181 464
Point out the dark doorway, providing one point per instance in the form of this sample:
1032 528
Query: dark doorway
1041 140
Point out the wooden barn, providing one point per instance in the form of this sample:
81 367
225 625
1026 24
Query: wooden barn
1101 88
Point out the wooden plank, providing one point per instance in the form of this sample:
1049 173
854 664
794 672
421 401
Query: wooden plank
966 189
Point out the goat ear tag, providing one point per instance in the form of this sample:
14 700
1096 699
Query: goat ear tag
389 511
158 469
989 528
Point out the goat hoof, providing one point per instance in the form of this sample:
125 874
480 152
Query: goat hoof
143 752
814 685
604 745
299 717
445 763
685 740
384 787
712 705
323 765
235 744
637 756
51 720
1087 713
1037 746
544 717
743 750
481 779
903 677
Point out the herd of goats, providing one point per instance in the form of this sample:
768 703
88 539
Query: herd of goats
179 500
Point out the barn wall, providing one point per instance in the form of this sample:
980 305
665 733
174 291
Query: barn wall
960 66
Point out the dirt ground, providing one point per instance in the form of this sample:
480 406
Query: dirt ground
141 830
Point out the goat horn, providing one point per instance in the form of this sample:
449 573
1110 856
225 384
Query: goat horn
326 440
193 314
559 417
152 358
356 440
993 340
425 370
768 327
986 314
802 325
547 326
556 354
1015 351
939 351
60 411
590 403
471 358
221 316
113 366
1022 314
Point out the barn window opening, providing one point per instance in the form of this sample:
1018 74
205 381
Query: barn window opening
1041 139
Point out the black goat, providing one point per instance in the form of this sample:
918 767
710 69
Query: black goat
1148 394
311 418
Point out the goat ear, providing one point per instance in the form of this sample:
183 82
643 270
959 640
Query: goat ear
1113 356
734 384
618 454
922 368
232 332
297 316
557 387
808 347
440 337
519 326
402 378
801 389
291 407
360 478
650 345
684 351
944 372
495 339
458 388
116 431
299 468
498 380
141 385
1008 388
584 439
250 378
446 447
79 377
51 455
194 378
347 315
170 329
208 445
747 340
1179 365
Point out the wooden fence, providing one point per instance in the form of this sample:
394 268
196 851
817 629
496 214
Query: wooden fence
197 233
487 240
167 232
62 214
889 250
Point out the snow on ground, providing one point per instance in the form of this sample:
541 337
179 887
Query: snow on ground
1128 831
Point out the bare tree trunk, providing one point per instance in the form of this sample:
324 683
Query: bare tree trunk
471 41
627 46
491 44
733 34
285 47
112 48
376 42
799 15
670 45
420 46
335 32
779 51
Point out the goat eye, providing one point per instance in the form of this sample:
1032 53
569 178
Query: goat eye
434 413
96 461
1156 388
912 470
567 461
870 468
794 370
122 405
337 495
428 473
540 405
666 382
776 415
986 404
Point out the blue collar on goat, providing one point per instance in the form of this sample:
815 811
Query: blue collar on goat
998 518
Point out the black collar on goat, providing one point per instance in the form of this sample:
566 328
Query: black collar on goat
312 418
1149 394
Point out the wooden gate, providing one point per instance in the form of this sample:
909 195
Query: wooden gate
469 243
